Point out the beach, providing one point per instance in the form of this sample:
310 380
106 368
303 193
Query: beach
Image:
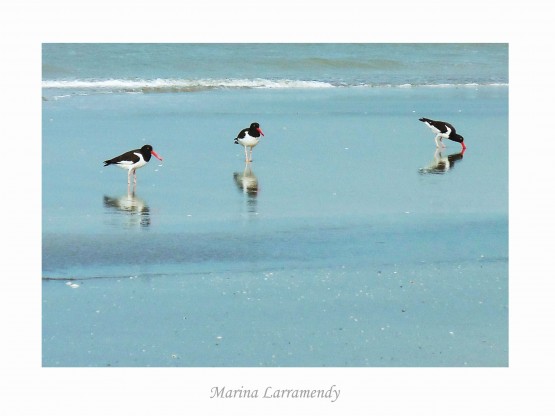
348 241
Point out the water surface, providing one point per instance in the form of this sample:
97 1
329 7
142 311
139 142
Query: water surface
348 241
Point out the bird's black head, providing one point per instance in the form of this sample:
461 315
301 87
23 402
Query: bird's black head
460 139
147 150
255 130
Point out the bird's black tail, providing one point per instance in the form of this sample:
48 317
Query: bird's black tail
425 120
107 162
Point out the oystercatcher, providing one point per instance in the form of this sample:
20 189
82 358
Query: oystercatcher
133 160
443 130
249 138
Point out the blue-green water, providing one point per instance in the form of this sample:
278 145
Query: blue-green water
163 67
353 250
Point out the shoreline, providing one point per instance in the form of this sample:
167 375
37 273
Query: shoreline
346 255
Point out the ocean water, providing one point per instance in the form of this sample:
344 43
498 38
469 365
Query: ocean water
349 241
192 67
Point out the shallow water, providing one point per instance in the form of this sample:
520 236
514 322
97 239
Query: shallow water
353 246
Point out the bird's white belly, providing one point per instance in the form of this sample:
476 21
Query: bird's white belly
249 141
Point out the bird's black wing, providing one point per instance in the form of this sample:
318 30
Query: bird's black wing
453 131
242 133
125 158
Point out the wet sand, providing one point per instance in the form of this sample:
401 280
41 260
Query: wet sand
348 241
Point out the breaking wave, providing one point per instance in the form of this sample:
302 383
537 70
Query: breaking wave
160 85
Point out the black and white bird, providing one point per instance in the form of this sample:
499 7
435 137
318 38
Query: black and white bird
133 160
248 138
443 130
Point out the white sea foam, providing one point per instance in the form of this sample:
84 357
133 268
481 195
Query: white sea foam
179 84
162 85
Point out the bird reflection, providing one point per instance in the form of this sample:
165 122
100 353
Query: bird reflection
247 183
442 164
134 208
